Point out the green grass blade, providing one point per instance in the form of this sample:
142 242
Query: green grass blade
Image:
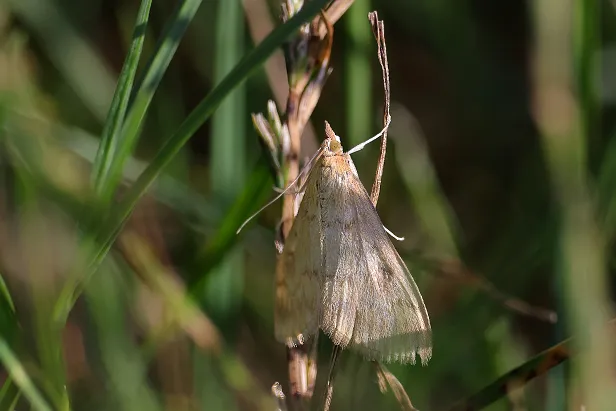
228 130
21 377
581 246
4 291
255 191
587 44
157 66
225 284
119 104
361 53
8 320
228 152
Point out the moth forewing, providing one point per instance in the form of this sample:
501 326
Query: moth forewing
343 274
297 284
369 300
392 323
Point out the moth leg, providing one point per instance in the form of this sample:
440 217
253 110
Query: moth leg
393 235
281 190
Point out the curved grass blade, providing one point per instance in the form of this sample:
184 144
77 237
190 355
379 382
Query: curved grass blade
228 156
138 106
21 377
8 321
4 291
115 117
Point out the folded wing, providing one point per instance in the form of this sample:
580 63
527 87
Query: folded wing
370 302
297 283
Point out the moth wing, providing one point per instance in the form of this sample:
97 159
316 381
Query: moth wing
370 302
297 287
392 324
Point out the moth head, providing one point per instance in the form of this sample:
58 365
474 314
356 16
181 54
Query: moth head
333 141
335 146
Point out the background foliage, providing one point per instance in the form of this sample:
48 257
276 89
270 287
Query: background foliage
502 157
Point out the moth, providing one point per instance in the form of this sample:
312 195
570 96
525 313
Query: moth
342 272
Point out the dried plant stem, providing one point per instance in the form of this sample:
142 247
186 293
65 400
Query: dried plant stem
302 368
308 63
378 28
329 391
455 270
292 162
387 379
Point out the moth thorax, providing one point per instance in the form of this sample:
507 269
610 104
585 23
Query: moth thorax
335 146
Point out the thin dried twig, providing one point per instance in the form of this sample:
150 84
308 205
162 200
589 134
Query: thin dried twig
378 28
387 379
456 270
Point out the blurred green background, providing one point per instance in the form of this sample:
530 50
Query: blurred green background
502 156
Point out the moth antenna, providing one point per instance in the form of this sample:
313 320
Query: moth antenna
307 167
371 139
393 235
280 190
283 192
